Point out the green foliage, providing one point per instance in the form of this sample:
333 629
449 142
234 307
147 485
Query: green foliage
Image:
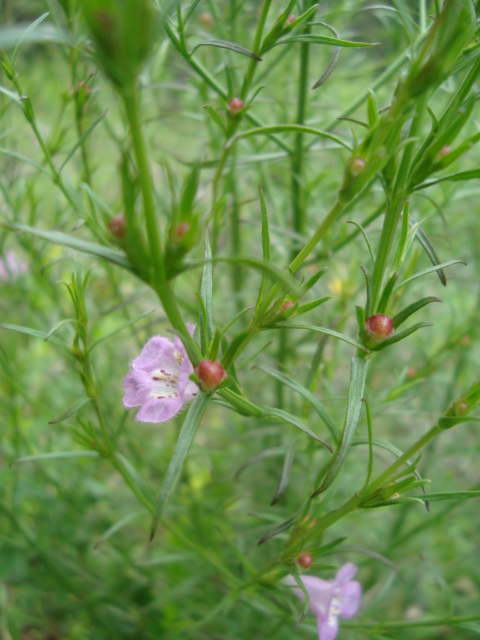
120 150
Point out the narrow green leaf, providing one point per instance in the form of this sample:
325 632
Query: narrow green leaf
387 292
368 301
114 332
311 282
401 316
66 240
288 417
58 325
22 158
280 528
215 118
329 332
444 265
449 495
273 452
133 478
72 411
206 289
26 34
307 394
80 141
427 246
190 10
225 44
364 233
326 40
304 308
117 527
472 174
306 596
286 470
57 455
36 334
286 128
265 246
358 376
360 315
184 442
397 337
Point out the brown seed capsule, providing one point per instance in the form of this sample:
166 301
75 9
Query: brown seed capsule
379 327
291 19
305 560
235 106
287 304
206 19
118 226
444 151
358 166
181 231
211 374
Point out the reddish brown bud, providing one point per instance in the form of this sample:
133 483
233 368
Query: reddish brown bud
444 151
358 165
287 304
181 231
379 327
206 19
211 374
235 106
305 560
118 226
291 19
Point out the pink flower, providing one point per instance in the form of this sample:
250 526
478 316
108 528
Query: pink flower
159 380
11 267
330 599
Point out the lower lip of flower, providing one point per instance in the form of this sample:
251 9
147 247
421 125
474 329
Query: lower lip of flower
165 385
334 609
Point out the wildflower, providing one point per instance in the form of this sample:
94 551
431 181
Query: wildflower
159 380
330 599
11 267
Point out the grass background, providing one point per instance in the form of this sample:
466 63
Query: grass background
75 561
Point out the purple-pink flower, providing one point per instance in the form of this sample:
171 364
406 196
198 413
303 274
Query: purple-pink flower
330 599
159 380
11 267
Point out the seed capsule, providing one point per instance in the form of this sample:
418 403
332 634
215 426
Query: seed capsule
235 106
379 327
211 374
305 560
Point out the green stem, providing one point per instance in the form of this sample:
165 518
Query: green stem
256 49
140 150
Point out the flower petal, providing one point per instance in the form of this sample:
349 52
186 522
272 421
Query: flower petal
320 592
179 344
327 628
137 385
345 574
159 409
184 381
350 596
158 353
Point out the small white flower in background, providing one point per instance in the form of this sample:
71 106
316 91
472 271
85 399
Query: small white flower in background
159 380
330 599
11 267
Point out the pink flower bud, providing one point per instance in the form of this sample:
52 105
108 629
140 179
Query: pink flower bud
181 231
305 560
379 327
358 165
206 19
235 106
118 226
211 374
291 19
444 151
287 304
